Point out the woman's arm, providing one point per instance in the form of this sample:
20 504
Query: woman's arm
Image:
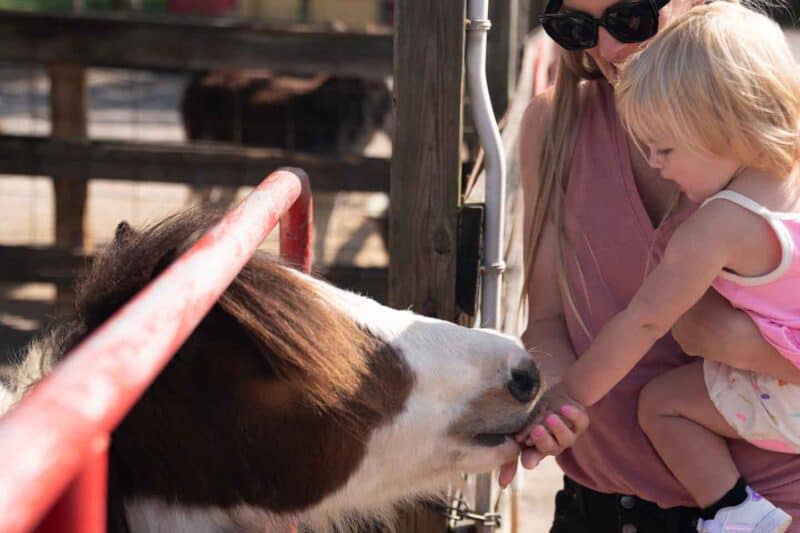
716 330
546 334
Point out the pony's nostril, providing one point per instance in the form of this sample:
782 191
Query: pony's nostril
524 383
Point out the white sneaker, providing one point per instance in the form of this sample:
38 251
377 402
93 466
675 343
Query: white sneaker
754 515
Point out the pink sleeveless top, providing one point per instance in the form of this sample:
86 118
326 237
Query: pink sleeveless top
771 300
610 236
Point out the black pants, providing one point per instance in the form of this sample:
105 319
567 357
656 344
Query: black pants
582 510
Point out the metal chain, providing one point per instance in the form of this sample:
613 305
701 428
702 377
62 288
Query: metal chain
458 511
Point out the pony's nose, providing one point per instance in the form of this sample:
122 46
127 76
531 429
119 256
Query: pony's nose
524 382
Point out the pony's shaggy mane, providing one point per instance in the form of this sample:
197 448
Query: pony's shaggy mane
307 341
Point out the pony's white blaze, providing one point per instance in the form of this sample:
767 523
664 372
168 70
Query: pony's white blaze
420 451
415 454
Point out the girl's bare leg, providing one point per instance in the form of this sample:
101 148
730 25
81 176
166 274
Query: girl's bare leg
688 432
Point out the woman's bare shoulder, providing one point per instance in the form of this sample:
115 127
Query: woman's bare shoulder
541 106
537 114
534 129
532 133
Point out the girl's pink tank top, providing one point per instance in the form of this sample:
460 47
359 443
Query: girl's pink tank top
609 239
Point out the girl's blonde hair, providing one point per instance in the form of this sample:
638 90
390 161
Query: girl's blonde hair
720 80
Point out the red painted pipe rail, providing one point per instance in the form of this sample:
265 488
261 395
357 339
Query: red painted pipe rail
53 443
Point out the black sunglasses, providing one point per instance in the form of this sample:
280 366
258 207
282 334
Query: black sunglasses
627 22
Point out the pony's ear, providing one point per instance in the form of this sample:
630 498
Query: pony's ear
123 232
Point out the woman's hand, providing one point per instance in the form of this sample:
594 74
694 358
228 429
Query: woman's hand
713 329
555 426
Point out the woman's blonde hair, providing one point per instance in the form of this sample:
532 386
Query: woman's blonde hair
720 80
557 144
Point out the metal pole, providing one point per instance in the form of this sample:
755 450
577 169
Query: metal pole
478 25
297 230
489 134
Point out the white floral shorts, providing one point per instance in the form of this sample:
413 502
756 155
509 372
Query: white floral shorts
763 410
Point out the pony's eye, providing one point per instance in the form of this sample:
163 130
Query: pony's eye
664 152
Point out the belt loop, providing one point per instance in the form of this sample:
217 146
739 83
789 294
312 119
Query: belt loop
578 492
672 521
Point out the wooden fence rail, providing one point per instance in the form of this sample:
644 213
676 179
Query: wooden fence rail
48 264
196 163
161 42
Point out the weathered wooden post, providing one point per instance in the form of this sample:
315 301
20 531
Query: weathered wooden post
426 170
68 112
69 121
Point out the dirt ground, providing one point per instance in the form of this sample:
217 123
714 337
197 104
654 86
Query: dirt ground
143 106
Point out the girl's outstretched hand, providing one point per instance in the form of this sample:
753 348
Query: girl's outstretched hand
554 427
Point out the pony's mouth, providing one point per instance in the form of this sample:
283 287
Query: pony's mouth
490 440
497 435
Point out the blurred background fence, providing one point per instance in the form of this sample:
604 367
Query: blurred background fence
137 143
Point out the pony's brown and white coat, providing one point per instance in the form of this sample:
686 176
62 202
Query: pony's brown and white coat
292 399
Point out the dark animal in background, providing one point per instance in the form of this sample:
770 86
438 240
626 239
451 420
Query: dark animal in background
320 114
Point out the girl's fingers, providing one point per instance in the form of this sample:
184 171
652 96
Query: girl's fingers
525 434
530 458
555 434
534 431
544 441
562 434
548 434
579 418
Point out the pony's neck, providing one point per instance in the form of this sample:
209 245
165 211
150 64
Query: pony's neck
381 321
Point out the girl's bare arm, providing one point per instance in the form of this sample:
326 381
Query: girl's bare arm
696 254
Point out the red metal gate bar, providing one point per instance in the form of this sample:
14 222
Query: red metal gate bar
297 230
82 506
64 422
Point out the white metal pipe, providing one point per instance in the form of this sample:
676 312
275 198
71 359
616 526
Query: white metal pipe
493 265
489 134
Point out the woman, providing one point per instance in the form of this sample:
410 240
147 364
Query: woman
594 206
